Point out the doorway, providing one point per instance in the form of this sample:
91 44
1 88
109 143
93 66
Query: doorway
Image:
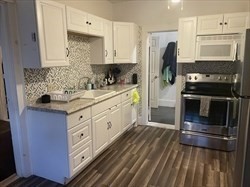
7 162
162 88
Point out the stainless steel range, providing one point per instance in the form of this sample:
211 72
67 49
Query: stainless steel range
209 112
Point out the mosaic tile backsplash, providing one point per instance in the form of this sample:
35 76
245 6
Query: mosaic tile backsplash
38 80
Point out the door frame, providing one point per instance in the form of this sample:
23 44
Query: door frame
146 33
15 87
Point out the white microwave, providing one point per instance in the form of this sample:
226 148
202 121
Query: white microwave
218 47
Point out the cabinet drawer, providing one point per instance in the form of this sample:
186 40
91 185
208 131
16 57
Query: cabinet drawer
78 117
79 135
80 158
100 107
126 95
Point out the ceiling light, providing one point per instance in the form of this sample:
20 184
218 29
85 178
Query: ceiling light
175 1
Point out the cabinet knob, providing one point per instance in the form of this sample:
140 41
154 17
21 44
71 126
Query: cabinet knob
225 23
83 158
221 23
80 117
87 22
82 135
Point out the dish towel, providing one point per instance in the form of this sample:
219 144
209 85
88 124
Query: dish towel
135 97
205 106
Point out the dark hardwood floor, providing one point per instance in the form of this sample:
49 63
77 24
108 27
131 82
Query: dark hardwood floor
149 156
7 163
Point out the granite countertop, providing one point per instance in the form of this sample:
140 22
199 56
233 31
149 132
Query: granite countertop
77 104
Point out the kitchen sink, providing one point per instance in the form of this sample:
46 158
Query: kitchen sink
97 94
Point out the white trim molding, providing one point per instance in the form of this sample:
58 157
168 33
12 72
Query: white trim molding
14 87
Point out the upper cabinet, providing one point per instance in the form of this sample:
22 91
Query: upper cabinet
82 22
186 40
108 42
43 33
223 23
125 42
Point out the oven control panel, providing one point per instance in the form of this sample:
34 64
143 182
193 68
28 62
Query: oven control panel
213 78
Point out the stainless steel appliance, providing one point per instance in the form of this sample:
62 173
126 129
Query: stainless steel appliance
218 47
217 128
242 90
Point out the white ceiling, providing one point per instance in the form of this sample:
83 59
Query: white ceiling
117 1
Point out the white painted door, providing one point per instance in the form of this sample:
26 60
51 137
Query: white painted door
126 114
236 22
122 42
186 40
95 25
115 122
3 104
100 131
77 20
154 71
52 33
210 24
108 42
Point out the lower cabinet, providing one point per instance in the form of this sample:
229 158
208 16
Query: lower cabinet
62 145
106 128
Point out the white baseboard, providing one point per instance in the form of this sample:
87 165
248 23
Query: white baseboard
161 125
167 103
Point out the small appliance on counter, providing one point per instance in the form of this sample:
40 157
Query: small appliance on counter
111 77
209 112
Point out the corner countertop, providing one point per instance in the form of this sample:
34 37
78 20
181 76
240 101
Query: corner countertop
77 104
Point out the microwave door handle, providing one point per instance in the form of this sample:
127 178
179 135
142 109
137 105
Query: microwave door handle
235 51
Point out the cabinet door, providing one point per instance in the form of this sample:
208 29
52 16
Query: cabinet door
236 22
100 132
77 20
186 40
210 24
126 114
108 42
122 42
115 122
52 33
95 25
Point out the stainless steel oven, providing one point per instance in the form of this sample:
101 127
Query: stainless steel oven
218 128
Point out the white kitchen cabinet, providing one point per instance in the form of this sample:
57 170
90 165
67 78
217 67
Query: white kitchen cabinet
127 110
81 22
43 33
108 42
60 144
186 40
223 23
106 125
101 49
125 42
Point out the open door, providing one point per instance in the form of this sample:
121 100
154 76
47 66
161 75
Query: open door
154 72
3 103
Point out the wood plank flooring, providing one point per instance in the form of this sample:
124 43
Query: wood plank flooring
149 156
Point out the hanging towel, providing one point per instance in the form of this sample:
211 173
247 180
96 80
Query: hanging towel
135 97
169 60
205 106
166 76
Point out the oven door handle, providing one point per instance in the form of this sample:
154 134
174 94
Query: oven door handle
191 96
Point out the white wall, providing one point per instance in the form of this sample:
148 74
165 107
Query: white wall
167 95
102 8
